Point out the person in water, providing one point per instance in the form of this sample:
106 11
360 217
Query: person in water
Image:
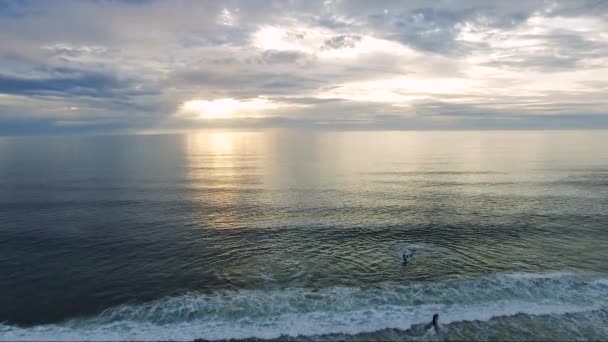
406 258
434 324
423 329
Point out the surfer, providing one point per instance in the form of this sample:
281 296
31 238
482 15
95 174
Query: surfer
406 258
423 329
434 324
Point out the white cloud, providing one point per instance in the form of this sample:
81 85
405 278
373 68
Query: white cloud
226 18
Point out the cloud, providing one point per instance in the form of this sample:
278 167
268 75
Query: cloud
280 57
342 41
87 84
109 64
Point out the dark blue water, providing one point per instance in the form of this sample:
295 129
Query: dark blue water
301 233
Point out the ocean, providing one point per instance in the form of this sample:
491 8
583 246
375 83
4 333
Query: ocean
299 235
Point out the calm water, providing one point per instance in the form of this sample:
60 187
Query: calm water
300 234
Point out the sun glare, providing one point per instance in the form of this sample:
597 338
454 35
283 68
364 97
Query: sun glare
216 109
227 108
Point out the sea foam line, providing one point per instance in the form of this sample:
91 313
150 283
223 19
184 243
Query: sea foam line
312 323
293 312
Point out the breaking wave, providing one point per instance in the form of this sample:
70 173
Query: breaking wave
337 310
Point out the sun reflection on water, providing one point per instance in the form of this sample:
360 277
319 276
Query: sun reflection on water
225 173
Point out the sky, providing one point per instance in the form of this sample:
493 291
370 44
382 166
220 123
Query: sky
148 65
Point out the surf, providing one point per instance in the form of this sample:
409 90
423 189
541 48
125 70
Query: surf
296 312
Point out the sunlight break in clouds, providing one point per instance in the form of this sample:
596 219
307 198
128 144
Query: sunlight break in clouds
225 108
324 43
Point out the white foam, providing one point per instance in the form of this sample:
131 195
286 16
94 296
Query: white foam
546 275
601 282
313 323
292 312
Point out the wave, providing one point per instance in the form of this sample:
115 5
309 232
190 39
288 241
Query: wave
410 248
338 310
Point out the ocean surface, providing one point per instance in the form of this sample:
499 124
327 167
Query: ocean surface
299 235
